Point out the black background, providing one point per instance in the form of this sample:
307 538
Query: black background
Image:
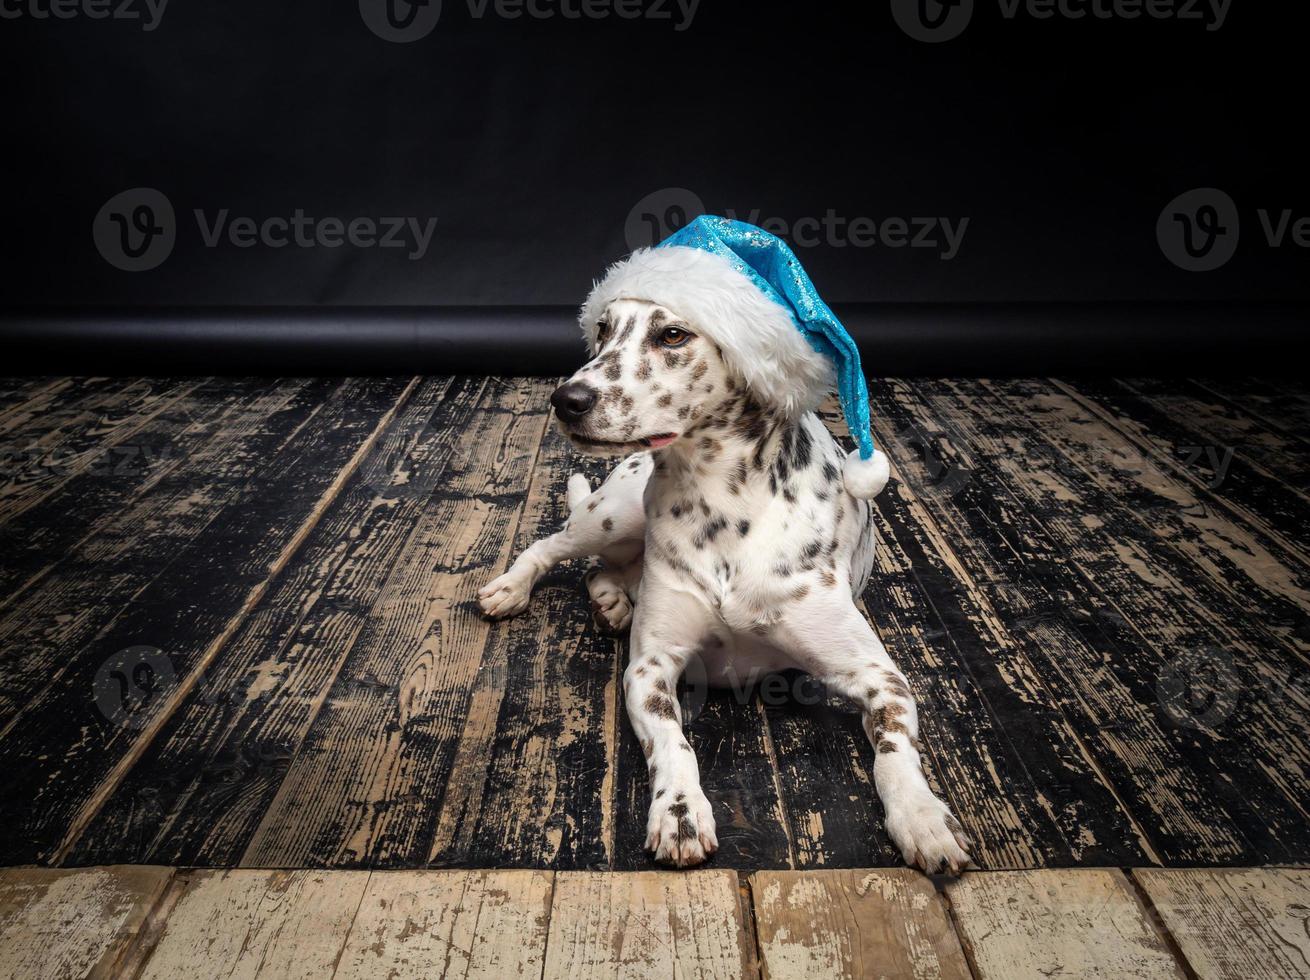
531 141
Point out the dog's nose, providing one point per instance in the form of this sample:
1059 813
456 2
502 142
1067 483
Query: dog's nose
573 400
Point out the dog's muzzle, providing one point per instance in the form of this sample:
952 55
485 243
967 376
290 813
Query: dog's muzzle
573 401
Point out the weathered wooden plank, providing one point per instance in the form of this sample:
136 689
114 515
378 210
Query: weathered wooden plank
95 433
1255 572
1235 924
31 404
647 924
1282 406
531 784
58 923
199 790
998 748
1238 488
63 606
729 735
255 924
889 923
360 790
65 750
825 777
993 519
175 437
1221 664
1176 640
457 925
1218 428
1037 924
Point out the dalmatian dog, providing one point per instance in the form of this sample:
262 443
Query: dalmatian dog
727 535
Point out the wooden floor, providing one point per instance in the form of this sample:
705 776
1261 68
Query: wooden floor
237 630
159 923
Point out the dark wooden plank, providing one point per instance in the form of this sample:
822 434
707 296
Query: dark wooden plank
93 433
1216 428
49 528
1277 514
730 737
998 536
24 411
364 786
998 748
1283 407
825 777
66 748
1168 623
199 790
125 550
532 780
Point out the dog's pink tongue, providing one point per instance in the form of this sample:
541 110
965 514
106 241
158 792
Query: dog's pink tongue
659 442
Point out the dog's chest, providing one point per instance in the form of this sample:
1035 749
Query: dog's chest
746 550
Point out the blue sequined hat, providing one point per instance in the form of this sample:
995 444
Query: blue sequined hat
745 289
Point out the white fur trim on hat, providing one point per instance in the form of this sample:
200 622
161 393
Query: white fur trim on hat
758 337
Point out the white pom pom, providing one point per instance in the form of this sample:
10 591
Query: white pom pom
865 478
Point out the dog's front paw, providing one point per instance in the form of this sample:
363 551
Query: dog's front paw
680 830
927 835
612 607
504 596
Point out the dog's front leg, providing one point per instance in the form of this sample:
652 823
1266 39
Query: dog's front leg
829 635
666 632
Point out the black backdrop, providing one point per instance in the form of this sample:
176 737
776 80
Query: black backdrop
545 147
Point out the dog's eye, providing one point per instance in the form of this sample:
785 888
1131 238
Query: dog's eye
674 337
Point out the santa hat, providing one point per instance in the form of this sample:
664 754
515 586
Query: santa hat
744 289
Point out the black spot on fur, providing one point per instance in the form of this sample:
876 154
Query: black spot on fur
678 809
608 524
661 706
743 527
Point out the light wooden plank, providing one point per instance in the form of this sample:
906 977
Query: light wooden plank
65 923
450 924
1040 924
1235 924
647 924
257 924
851 923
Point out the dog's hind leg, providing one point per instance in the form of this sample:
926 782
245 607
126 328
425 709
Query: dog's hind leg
609 522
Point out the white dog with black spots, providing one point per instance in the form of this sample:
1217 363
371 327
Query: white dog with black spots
727 534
